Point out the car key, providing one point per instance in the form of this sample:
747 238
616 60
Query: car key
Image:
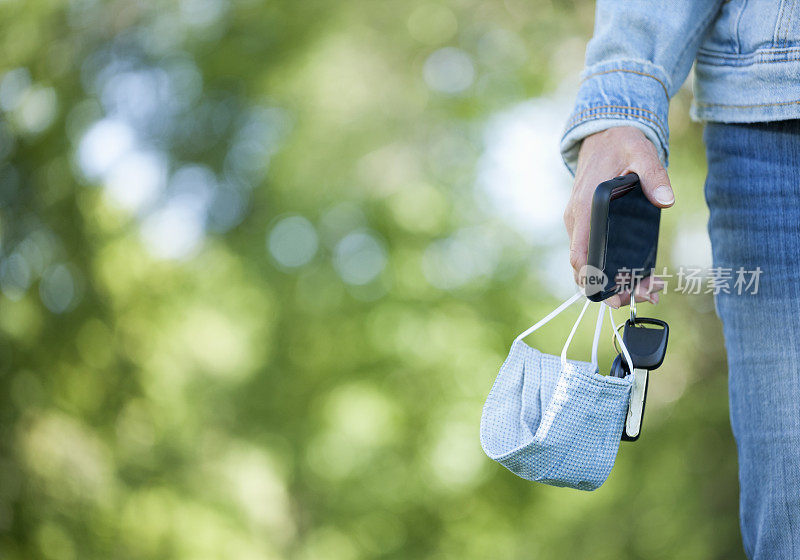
647 348
633 419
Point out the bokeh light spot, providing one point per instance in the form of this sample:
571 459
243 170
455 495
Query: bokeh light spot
359 258
15 276
103 145
293 242
520 174
175 231
12 87
136 179
449 70
36 110
456 457
58 289
202 13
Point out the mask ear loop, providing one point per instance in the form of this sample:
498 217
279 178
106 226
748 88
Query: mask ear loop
572 333
597 328
621 344
550 316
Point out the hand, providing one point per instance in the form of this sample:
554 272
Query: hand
603 156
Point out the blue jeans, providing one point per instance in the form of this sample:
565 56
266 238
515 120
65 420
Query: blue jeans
753 192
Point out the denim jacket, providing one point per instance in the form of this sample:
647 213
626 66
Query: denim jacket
746 55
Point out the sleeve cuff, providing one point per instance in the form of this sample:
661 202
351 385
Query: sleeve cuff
619 93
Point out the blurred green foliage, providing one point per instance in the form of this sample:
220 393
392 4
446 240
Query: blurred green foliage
247 310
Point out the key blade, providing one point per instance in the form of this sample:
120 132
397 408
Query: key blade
633 422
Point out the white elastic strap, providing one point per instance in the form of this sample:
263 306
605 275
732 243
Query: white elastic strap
621 344
551 315
597 328
572 333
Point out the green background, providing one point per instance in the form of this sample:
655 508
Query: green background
262 261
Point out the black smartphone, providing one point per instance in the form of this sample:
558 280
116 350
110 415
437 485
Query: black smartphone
623 238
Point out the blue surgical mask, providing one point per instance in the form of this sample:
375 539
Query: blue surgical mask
554 420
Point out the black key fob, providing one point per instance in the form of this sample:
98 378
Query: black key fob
646 341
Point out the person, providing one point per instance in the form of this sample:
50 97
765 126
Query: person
747 91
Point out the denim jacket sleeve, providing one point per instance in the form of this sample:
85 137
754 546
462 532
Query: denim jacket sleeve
641 53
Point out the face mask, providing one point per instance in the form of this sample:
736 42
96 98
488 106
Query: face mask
554 420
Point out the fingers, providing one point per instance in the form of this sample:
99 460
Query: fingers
646 290
624 298
594 166
602 156
650 287
577 221
579 247
652 175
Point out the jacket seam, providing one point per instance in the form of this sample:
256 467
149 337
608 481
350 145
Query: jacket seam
782 32
757 62
661 83
788 24
580 120
777 104
736 30
776 32
702 25
767 50
776 56
603 113
595 107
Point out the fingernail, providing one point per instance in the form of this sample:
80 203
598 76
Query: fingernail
664 195
654 299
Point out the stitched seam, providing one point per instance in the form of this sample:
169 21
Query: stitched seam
763 51
780 61
579 113
747 106
702 25
664 87
776 33
736 28
743 61
782 32
571 126
788 25
605 113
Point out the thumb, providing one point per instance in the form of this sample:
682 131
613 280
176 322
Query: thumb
654 179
